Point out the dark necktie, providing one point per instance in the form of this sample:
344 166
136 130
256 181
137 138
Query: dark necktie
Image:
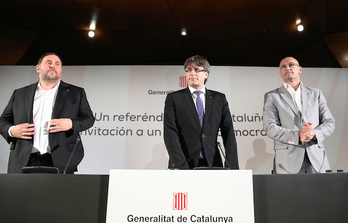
200 108
200 111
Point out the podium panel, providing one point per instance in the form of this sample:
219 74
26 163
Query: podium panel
180 196
57 198
319 198
53 198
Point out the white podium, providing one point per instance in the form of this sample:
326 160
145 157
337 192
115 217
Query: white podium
180 196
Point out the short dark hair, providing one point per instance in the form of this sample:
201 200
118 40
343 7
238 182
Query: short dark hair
199 61
47 54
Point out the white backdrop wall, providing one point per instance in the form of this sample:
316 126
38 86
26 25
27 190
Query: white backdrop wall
128 104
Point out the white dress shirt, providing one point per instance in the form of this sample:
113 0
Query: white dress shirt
42 114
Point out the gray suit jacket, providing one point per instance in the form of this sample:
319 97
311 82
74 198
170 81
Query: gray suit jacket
282 122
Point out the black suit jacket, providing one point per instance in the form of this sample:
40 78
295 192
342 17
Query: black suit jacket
71 102
184 137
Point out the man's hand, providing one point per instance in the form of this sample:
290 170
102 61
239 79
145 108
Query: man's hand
307 133
23 131
59 125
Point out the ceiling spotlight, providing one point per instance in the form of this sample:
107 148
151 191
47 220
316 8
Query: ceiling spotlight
93 24
300 27
91 34
183 32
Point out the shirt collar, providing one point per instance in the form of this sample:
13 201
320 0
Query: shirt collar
192 90
288 86
40 88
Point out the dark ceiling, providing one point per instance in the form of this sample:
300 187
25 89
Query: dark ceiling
138 32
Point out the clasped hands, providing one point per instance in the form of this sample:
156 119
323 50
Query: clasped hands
307 132
26 130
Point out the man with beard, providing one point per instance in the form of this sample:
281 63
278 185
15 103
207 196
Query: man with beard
298 119
42 121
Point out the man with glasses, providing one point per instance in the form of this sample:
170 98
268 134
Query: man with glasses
192 119
298 119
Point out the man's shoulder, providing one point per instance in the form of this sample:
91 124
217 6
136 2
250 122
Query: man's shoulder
311 89
313 92
70 86
215 92
26 88
217 95
178 92
274 91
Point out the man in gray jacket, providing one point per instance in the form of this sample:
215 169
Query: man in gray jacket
298 119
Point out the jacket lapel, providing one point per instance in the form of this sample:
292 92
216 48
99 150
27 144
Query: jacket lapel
191 105
29 101
63 91
288 99
304 97
208 106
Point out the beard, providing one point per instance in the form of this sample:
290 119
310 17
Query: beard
50 78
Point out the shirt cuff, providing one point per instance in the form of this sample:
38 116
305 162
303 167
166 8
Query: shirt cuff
9 131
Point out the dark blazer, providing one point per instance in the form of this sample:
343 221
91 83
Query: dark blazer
184 137
71 102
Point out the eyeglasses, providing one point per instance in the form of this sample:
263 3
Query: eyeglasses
291 65
197 70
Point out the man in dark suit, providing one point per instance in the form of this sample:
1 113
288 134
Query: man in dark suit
192 121
42 121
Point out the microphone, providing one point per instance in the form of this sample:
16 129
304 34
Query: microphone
228 165
189 159
72 153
